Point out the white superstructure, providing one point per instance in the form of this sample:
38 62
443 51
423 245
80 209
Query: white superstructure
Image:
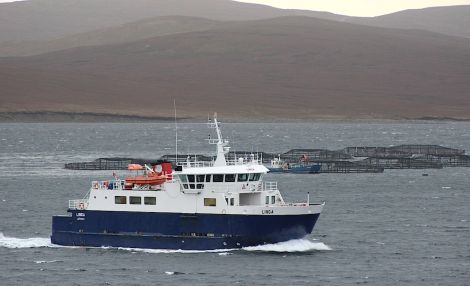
218 187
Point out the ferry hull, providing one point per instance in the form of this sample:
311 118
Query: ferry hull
177 230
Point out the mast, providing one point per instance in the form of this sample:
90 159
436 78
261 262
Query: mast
222 147
176 135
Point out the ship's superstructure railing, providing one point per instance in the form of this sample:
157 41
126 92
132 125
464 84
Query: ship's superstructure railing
270 186
196 164
78 204
253 159
108 185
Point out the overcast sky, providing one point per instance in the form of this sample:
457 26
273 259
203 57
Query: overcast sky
353 7
359 7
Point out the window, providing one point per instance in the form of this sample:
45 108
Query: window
191 178
150 201
208 178
135 200
267 200
183 178
217 178
200 178
230 178
242 177
120 200
273 200
232 201
254 177
210 202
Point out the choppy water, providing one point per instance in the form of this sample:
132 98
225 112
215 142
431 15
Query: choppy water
395 228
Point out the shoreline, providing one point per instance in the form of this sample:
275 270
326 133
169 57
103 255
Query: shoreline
91 117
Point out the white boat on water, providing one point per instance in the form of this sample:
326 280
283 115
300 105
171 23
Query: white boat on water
196 206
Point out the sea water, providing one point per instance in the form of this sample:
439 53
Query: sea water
395 228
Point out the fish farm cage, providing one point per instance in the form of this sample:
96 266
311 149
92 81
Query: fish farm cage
347 160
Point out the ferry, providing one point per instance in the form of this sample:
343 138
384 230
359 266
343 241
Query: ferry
197 206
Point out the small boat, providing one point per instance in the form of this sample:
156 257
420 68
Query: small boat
303 167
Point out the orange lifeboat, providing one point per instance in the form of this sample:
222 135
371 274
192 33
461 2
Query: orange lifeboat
149 179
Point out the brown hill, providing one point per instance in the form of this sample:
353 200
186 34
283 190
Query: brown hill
290 67
451 20
129 32
40 26
44 20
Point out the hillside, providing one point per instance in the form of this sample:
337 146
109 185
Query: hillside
452 20
289 67
129 32
41 26
44 20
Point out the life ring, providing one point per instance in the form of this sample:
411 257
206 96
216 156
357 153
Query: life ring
81 206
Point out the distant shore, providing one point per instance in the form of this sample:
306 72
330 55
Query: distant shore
90 117
30 117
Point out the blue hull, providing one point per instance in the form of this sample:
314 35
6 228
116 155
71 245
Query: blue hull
309 169
176 230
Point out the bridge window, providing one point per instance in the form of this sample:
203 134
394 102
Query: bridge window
217 178
273 200
208 178
200 178
210 202
120 200
254 177
230 178
232 201
150 201
191 178
242 177
183 178
267 200
135 200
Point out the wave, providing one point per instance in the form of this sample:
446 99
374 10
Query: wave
156 251
33 242
295 245
46 261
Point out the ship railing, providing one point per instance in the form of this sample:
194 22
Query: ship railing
195 164
108 185
270 186
294 205
232 162
78 204
242 161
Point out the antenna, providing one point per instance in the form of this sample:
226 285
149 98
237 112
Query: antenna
176 135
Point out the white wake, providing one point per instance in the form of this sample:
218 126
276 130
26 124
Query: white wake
32 242
156 251
295 245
